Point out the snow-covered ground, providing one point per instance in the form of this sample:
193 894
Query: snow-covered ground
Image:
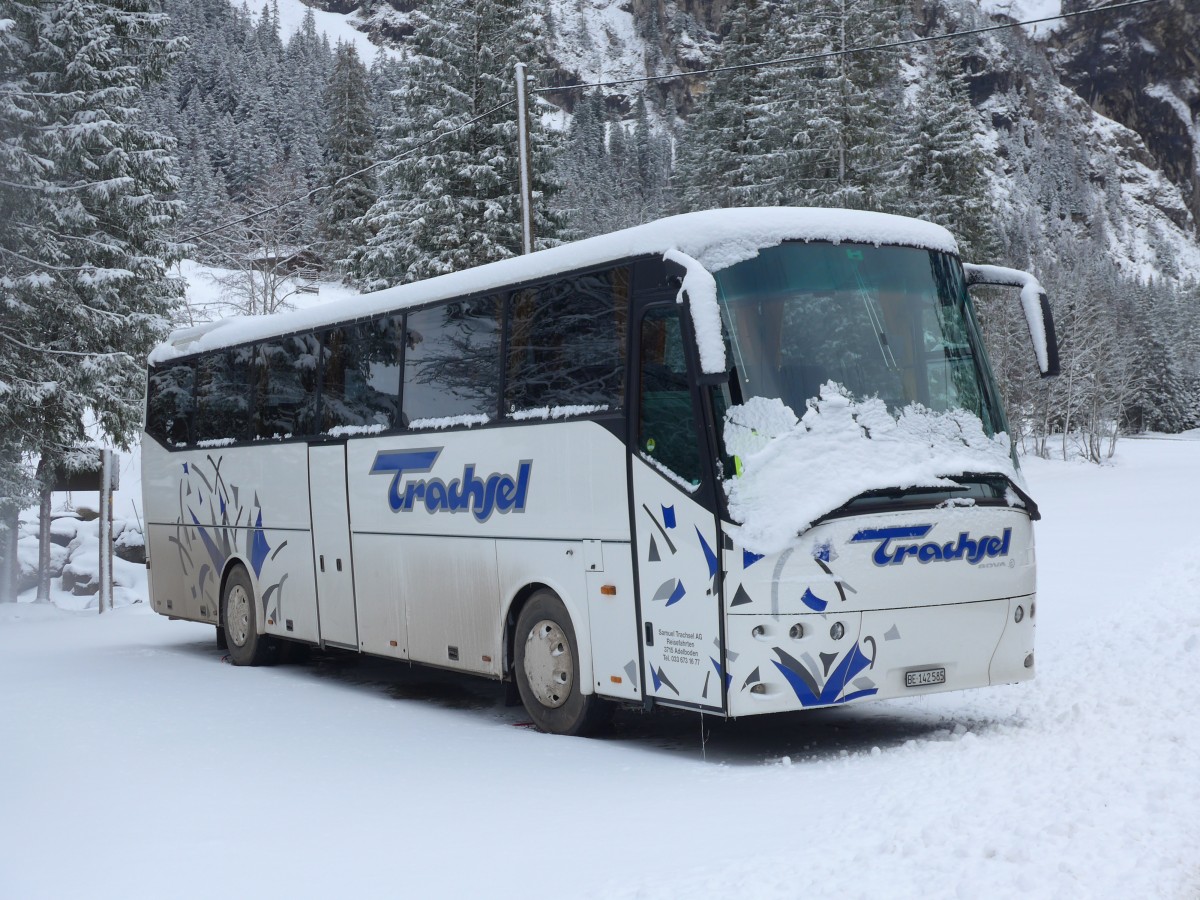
135 763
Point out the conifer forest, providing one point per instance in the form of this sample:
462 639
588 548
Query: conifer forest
138 133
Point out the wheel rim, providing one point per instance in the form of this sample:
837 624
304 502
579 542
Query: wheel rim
549 664
237 615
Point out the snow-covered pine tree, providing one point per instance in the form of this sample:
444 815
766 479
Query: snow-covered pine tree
582 158
451 203
349 150
653 149
843 126
259 114
83 246
1166 398
84 273
611 176
737 149
943 165
581 169
202 190
307 65
20 171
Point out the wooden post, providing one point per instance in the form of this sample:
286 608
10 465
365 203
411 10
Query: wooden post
43 582
104 597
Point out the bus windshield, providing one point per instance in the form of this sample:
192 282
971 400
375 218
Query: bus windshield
887 322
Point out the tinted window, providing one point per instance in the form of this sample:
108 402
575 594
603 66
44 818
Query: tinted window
223 395
362 374
169 403
286 387
666 426
452 361
566 343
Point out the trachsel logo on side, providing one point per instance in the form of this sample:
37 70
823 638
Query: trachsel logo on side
965 547
479 496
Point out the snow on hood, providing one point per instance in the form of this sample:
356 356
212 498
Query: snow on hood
793 471
716 239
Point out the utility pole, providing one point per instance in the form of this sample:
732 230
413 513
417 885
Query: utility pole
523 161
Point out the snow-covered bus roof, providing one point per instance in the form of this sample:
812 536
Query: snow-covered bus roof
715 238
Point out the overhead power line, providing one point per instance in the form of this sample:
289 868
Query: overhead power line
783 61
830 54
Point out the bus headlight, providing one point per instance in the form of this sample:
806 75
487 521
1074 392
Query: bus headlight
838 631
1019 614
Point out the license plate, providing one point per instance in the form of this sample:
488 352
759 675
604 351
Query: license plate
922 677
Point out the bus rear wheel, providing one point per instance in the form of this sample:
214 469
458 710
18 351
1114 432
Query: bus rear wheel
546 663
239 622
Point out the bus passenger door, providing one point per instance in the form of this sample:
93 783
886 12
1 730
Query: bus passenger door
331 545
677 540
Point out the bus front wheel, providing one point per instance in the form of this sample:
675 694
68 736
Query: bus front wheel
239 622
546 660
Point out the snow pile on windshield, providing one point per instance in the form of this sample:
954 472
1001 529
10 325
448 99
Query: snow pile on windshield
793 471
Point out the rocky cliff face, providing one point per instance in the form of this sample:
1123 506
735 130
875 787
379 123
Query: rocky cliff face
1141 67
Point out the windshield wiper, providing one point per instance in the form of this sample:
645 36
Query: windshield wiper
894 498
895 493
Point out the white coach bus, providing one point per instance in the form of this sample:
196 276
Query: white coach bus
738 461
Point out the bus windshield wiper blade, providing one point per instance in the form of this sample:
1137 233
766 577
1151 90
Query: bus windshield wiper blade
893 493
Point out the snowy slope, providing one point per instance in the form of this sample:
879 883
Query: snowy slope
338 27
598 40
138 765
1026 11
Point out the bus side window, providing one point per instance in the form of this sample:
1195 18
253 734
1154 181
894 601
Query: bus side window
452 362
566 343
286 387
361 385
666 425
223 395
169 409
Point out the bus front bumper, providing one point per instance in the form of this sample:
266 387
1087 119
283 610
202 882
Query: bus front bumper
792 662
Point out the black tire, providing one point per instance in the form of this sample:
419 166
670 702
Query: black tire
239 623
546 667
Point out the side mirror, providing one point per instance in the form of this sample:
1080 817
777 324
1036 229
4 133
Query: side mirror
1035 304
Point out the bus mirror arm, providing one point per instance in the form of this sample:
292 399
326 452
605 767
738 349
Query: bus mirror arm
713 379
724 379
1035 304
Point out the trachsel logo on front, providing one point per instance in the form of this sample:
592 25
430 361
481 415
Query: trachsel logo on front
481 497
898 544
